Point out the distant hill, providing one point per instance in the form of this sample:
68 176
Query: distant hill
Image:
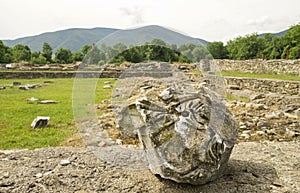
139 36
279 34
73 39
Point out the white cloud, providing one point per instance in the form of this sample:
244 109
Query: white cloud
211 20
135 13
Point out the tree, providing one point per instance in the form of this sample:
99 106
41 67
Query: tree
200 53
273 47
291 42
85 49
148 52
77 56
21 53
295 52
217 50
47 52
247 47
94 56
158 42
5 53
120 47
63 55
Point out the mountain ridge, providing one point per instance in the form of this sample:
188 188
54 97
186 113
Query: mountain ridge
75 38
72 38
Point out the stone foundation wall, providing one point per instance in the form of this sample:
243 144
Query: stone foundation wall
58 74
261 66
265 85
260 85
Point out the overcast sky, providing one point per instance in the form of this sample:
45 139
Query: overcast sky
212 20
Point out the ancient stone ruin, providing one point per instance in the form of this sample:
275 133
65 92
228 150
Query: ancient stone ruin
185 129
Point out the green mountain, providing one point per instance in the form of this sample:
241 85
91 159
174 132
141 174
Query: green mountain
139 36
279 34
73 39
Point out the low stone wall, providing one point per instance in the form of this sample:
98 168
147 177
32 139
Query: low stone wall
265 85
260 85
261 66
58 74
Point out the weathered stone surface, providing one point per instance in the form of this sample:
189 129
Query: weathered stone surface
187 133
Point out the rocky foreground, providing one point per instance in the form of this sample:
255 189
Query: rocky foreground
253 167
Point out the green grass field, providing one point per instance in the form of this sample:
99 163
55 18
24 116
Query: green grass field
16 114
268 76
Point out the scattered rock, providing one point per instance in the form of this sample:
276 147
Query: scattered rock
245 135
261 124
47 102
29 86
64 162
272 115
260 132
40 122
234 87
291 108
47 173
32 99
260 107
257 96
23 87
38 175
107 87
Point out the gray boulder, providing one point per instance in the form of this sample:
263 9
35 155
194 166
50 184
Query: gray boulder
186 131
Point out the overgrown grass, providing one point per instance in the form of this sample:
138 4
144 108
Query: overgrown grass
231 97
291 77
16 114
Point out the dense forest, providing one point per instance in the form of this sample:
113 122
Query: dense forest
250 46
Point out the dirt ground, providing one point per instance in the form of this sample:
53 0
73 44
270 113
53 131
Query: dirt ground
253 167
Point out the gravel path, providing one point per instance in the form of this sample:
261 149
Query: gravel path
254 167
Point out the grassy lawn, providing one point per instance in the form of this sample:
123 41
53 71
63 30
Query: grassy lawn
269 76
16 114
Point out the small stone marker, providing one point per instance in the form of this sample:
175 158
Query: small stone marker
40 122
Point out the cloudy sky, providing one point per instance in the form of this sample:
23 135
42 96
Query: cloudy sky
212 20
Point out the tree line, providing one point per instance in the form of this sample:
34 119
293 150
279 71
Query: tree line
22 53
247 47
254 46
